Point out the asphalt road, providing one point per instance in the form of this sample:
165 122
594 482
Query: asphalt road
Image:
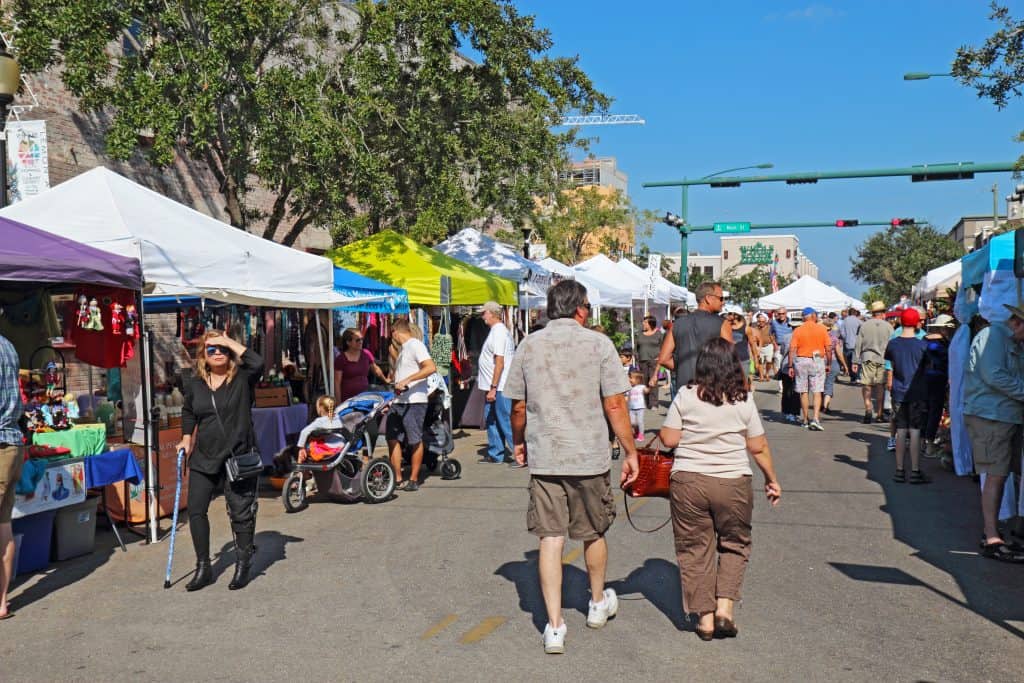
852 578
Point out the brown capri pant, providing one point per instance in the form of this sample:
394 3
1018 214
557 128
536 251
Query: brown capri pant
11 460
709 514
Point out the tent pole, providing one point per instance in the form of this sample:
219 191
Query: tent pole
320 343
152 489
330 337
632 334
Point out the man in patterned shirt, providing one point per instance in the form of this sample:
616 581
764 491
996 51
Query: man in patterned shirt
11 458
564 382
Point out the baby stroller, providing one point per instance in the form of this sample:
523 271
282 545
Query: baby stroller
346 453
437 432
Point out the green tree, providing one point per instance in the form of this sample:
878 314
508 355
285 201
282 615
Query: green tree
893 260
362 121
579 215
995 69
746 289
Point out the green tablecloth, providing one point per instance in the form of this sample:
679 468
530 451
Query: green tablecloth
81 439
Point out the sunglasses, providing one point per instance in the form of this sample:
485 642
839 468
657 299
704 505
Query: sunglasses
214 350
586 305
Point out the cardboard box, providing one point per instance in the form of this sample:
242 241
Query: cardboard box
132 508
273 397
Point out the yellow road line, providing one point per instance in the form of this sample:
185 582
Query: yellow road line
572 555
638 504
482 630
438 627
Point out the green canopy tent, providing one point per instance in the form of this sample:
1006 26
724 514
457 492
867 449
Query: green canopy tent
402 262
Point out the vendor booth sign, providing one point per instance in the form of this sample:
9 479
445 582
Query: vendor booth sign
28 159
61 483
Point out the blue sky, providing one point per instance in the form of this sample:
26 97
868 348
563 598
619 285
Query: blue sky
804 85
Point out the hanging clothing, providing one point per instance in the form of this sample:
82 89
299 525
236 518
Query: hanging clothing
109 347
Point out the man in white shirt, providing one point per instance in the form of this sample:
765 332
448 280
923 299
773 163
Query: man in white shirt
408 413
495 358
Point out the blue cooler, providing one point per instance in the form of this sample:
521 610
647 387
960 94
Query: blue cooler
36 531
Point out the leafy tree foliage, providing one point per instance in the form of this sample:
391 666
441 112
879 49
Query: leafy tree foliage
579 215
746 289
996 69
893 260
360 121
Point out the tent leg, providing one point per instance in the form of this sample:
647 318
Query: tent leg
152 488
330 336
320 344
632 333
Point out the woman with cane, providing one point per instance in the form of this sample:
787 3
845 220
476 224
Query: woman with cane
218 410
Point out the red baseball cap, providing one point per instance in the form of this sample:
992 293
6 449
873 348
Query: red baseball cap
909 317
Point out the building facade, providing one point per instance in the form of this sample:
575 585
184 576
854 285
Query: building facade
604 174
741 254
972 232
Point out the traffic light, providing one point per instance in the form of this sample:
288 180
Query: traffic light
897 222
847 222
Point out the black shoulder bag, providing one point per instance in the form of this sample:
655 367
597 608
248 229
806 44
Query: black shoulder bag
245 466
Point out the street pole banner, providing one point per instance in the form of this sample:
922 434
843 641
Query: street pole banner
28 161
653 271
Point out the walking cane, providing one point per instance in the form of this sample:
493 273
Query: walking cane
174 519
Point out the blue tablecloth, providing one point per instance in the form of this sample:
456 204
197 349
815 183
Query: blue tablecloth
274 425
112 467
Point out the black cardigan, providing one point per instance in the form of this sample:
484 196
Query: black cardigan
234 403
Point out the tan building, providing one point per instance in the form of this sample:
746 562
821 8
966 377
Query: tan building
604 174
972 232
743 253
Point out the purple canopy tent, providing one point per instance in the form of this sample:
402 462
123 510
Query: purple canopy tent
31 255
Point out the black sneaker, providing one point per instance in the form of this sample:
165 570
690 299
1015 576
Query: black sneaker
867 418
410 486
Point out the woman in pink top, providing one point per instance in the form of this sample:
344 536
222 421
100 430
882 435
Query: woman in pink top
353 365
712 424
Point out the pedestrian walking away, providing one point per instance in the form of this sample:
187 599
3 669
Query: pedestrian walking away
936 357
648 345
570 487
12 456
849 328
495 357
810 354
838 365
869 362
713 423
216 423
908 386
994 411
679 350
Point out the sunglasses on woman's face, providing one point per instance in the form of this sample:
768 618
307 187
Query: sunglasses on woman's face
214 350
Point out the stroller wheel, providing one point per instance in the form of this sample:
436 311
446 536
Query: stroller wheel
293 493
378 481
451 469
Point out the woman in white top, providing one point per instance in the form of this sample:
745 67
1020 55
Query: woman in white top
713 423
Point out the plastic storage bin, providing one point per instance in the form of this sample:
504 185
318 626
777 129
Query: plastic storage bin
36 531
74 531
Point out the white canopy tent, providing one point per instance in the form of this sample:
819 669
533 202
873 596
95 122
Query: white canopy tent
675 292
600 293
471 246
809 291
603 269
183 252
936 281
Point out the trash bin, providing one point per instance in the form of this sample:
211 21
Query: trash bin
36 532
74 531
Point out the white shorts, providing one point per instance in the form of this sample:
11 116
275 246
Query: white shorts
767 354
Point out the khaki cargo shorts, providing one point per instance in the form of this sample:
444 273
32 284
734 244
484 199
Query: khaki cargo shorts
995 444
11 460
581 507
872 373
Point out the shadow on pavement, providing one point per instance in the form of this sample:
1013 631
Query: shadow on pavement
942 522
575 587
270 548
657 580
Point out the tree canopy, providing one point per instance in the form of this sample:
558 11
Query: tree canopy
892 261
361 120
589 214
995 69
748 288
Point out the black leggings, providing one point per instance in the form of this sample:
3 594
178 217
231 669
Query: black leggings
241 502
936 405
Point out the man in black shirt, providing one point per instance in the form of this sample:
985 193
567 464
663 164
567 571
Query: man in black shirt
679 350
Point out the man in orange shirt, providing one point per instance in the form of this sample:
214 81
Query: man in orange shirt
810 356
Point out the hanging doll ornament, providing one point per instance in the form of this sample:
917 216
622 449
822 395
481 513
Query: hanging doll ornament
51 377
82 320
131 321
95 317
116 318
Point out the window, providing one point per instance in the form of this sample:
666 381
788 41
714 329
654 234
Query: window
789 253
725 255
709 271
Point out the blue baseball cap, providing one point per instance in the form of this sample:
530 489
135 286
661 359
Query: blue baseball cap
809 311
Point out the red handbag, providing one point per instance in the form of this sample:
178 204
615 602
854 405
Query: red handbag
655 471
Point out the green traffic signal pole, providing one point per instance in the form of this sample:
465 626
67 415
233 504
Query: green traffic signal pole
925 172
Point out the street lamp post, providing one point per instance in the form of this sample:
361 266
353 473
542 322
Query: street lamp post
681 222
10 80
923 76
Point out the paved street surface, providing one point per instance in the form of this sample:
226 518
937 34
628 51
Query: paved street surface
852 578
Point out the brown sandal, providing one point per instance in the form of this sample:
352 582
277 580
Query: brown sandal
725 627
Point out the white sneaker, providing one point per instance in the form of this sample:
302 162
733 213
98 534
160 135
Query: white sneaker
890 445
601 612
554 639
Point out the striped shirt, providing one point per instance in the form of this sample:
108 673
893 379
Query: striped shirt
11 407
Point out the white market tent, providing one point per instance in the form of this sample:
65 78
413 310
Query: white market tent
473 247
674 292
936 281
183 252
809 291
603 269
600 293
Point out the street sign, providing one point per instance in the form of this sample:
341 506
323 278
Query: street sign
653 271
732 227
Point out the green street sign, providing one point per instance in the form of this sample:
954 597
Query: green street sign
732 227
